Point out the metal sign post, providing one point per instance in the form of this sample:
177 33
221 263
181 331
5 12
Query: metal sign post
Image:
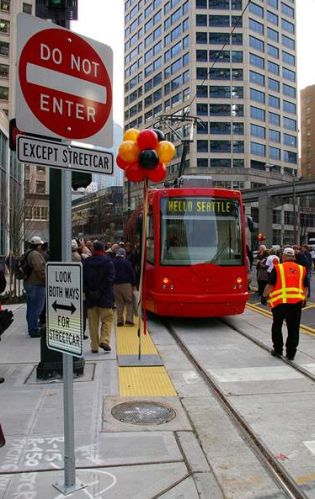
70 483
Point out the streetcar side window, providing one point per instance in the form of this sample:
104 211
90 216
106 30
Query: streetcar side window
150 237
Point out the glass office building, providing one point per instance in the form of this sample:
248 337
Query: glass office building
234 69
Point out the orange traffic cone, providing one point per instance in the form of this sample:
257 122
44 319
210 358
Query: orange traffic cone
2 439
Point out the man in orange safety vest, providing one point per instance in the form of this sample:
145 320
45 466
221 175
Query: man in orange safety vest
285 293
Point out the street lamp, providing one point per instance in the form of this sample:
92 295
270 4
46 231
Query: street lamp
293 176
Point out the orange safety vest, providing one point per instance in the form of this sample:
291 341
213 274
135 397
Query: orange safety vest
289 286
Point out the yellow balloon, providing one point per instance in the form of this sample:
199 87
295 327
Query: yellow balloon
166 151
131 134
129 151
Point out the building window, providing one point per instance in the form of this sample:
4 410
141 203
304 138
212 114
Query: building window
274 136
40 187
273 18
257 113
289 107
288 42
288 74
4 71
274 153
274 101
273 85
220 163
286 10
4 26
27 8
257 95
288 90
255 60
5 5
273 34
289 124
4 93
274 119
257 78
287 26
256 9
202 146
220 146
256 26
4 49
273 51
222 21
290 157
257 149
273 67
220 128
257 44
202 163
289 140
258 131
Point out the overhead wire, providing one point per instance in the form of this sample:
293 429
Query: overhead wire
222 48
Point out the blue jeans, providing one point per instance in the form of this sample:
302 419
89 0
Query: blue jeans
35 300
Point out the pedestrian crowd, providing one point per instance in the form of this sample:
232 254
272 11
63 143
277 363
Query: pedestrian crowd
110 277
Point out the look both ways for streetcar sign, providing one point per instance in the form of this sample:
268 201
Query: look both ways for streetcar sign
64 83
64 307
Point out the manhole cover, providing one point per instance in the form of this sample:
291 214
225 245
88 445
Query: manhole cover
143 413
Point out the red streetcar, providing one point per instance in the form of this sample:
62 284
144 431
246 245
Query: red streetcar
196 262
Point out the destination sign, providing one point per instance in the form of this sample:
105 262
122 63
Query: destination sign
200 206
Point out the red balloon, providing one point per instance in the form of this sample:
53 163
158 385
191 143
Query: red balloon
121 162
158 174
147 139
134 173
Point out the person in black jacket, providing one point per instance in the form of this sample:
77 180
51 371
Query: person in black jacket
125 280
98 277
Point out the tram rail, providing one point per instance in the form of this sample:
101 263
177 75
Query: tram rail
277 471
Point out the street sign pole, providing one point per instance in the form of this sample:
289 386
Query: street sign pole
70 483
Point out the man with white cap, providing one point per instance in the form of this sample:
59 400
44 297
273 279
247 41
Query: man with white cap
286 291
34 285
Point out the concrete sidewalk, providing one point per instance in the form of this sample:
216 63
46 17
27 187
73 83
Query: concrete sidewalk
114 459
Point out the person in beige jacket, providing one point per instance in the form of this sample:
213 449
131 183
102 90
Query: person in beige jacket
34 286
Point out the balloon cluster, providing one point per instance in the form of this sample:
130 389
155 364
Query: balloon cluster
145 154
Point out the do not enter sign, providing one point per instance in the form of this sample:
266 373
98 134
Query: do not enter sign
66 82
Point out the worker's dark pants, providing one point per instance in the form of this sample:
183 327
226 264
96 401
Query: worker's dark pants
291 312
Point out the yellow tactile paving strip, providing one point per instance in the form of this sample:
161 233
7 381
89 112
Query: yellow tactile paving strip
127 342
145 381
305 329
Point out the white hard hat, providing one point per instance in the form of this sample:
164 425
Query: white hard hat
36 240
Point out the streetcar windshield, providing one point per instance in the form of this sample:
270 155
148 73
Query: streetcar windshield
200 230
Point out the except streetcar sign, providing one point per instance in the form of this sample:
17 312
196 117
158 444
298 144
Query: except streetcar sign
64 307
58 155
65 81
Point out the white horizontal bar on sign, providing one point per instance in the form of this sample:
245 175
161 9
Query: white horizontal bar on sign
55 80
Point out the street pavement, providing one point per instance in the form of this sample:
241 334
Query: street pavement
115 459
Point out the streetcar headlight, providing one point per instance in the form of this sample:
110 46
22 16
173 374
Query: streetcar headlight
239 280
166 280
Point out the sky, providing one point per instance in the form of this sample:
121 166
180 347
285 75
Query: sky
102 20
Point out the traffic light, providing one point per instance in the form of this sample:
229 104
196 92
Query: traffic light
13 132
57 10
80 179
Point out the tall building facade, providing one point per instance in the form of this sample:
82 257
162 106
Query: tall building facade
117 179
231 63
20 217
308 132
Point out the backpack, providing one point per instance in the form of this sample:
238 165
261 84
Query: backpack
22 268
